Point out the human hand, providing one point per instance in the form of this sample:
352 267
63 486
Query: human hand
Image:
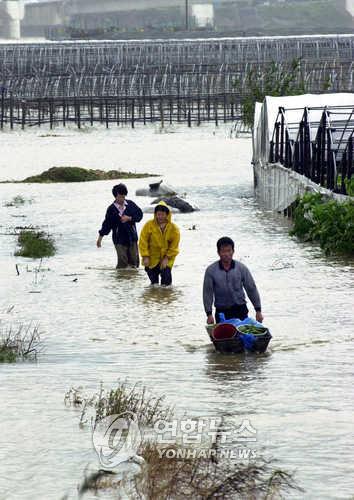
210 319
164 263
125 218
99 242
259 316
146 261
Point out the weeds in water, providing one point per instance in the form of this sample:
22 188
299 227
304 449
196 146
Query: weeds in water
35 244
166 476
21 343
147 408
16 202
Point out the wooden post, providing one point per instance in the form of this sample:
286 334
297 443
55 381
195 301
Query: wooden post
2 106
144 109
151 110
11 112
225 103
198 122
216 112
133 112
162 117
78 103
91 111
51 112
39 112
23 118
106 108
64 116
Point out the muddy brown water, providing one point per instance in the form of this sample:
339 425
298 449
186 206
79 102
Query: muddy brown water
110 325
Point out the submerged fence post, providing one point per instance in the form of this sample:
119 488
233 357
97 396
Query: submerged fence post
216 112
2 106
106 110
11 112
64 116
78 103
162 117
133 112
23 111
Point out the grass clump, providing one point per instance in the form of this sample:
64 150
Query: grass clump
78 174
147 408
165 476
15 202
20 343
200 476
326 221
35 244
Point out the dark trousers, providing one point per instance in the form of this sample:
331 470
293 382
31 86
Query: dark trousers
127 255
155 272
239 311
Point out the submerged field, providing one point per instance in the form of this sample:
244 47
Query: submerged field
98 324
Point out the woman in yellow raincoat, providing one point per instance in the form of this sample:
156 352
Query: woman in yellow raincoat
158 245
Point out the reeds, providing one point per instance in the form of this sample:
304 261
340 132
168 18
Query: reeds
147 408
166 476
22 342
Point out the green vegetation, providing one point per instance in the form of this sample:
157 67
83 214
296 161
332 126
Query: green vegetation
349 186
255 330
78 174
21 343
35 244
326 221
275 80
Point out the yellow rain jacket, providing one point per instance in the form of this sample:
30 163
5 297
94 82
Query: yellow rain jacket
155 244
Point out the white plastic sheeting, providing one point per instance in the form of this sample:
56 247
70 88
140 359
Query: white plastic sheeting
266 116
276 186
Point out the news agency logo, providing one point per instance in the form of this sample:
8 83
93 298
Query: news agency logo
116 439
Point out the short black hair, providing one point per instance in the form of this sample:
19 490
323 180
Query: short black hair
119 189
224 242
162 208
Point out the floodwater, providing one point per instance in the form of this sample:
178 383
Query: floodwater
109 325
